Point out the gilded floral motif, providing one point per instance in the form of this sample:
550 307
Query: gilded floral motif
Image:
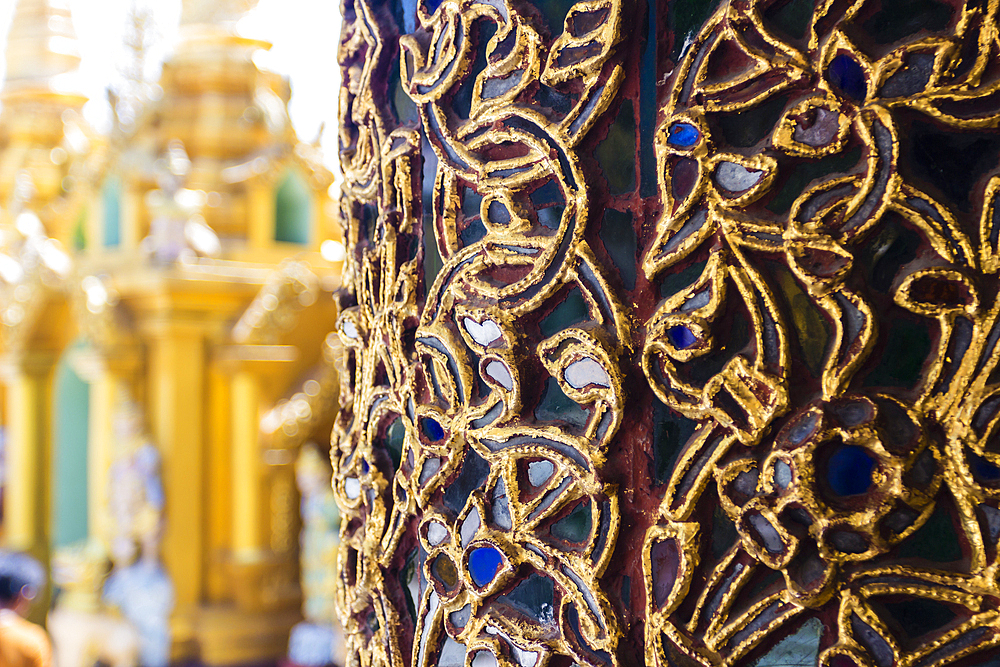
738 401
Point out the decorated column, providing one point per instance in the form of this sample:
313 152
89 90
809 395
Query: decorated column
670 333
27 519
27 499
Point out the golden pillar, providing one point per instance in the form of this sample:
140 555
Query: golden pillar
251 366
100 454
246 477
179 322
27 495
260 211
134 223
218 537
176 376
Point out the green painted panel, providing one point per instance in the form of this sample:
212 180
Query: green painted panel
112 196
292 210
80 231
69 466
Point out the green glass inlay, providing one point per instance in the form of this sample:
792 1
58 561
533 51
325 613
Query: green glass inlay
394 438
806 173
616 153
936 541
908 345
572 310
792 18
575 526
557 406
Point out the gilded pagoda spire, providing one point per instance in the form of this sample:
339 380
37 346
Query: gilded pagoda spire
41 47
43 137
215 13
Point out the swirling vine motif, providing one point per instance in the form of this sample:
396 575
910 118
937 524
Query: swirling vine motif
666 348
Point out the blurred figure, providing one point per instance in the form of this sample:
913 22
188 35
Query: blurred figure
83 632
320 535
22 643
317 641
139 586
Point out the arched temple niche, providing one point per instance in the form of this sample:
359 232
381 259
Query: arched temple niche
293 204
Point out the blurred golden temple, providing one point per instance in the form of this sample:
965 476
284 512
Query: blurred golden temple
167 384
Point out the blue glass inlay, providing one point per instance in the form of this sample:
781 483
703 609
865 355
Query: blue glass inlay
982 469
364 467
849 470
432 429
432 5
846 74
683 135
409 15
484 563
681 337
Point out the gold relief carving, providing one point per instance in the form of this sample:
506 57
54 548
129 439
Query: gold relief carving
34 268
503 387
292 421
105 323
274 310
832 544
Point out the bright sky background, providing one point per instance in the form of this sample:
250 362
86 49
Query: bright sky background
304 34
